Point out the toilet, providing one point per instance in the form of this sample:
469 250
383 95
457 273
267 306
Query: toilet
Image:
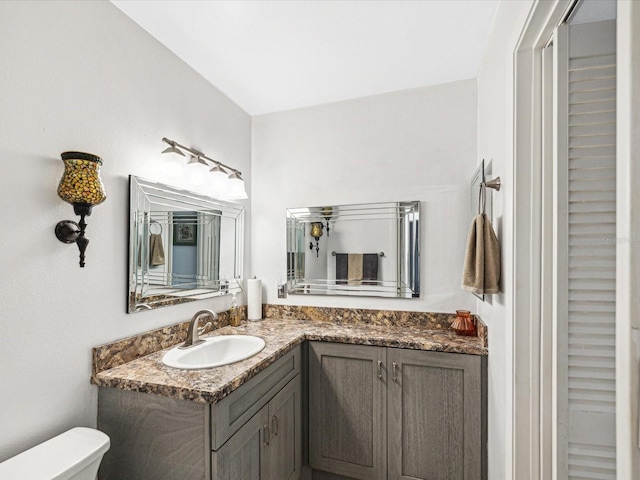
72 455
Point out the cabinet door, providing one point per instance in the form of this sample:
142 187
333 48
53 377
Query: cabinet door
285 447
435 416
347 410
245 455
152 437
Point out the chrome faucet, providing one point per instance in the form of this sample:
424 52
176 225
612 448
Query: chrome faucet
194 332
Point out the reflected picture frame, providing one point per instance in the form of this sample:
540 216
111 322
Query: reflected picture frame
185 233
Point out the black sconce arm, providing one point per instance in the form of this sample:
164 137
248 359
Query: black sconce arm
72 232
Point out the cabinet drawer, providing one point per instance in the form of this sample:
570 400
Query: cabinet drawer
234 410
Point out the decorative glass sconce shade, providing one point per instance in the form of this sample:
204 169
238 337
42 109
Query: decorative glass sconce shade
82 187
316 232
80 182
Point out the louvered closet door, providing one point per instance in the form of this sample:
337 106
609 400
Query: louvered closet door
585 274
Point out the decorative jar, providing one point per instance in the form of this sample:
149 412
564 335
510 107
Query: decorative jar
463 324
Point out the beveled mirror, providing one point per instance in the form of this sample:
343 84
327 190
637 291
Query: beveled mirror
183 246
358 250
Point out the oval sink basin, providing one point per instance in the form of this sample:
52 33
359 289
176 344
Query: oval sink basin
214 352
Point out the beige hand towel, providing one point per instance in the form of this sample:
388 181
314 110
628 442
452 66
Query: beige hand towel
482 261
156 250
354 269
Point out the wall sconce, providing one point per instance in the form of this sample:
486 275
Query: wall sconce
316 232
327 213
81 187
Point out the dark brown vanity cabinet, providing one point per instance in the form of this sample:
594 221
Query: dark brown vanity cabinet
388 413
254 433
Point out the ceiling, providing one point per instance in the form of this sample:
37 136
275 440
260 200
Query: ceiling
269 56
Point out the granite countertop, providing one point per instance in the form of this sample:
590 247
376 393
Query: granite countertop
148 374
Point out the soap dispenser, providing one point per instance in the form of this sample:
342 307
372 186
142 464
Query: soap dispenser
234 314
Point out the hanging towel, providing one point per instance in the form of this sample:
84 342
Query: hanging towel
341 268
369 268
369 274
354 269
156 250
482 260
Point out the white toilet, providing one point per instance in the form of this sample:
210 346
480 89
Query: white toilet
73 455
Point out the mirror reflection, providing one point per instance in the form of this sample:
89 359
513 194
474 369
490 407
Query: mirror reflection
183 246
360 250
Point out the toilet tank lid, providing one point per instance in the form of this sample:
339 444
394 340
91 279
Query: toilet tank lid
57 458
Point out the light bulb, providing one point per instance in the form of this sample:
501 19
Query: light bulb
236 187
218 173
198 170
170 166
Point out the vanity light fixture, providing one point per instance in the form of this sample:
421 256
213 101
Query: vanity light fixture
82 187
224 177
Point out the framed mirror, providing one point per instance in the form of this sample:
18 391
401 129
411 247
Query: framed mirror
355 250
183 246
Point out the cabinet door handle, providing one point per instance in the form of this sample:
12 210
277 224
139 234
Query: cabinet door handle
274 425
266 435
395 377
380 369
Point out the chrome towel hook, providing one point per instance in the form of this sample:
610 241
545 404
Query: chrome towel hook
495 184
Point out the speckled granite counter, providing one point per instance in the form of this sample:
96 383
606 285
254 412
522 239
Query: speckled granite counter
148 374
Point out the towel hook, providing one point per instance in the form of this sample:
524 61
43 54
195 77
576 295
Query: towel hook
482 194
158 224
495 184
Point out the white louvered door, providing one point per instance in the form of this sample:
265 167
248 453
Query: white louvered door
584 259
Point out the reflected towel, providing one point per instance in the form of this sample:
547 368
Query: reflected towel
482 260
370 269
369 274
354 269
341 268
156 250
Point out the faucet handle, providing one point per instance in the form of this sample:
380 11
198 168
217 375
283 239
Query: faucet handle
202 329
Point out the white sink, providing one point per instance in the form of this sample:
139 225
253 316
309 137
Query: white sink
214 352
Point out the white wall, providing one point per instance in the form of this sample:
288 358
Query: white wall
82 76
495 143
411 145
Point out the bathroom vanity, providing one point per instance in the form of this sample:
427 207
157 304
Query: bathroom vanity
254 432
322 401
379 412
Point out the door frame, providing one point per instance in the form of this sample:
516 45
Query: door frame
628 234
532 337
